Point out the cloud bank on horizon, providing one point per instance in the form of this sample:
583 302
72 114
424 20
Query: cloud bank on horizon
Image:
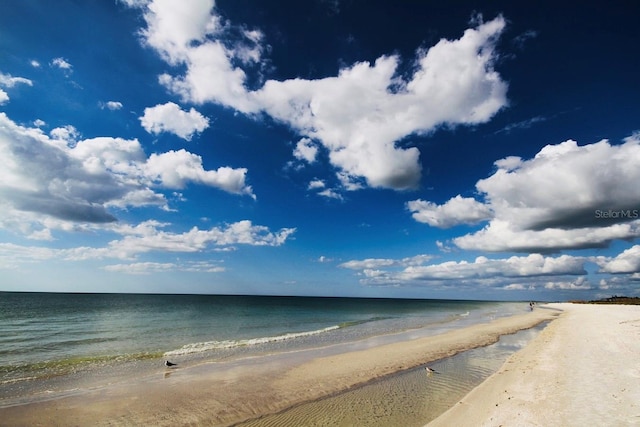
545 218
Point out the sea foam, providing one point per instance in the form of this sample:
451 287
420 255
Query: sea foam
200 347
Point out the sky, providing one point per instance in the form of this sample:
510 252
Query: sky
401 149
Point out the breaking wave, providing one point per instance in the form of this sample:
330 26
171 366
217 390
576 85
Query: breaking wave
200 347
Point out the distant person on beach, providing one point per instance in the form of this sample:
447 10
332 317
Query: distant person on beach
531 305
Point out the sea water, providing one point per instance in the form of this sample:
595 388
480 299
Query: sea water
53 344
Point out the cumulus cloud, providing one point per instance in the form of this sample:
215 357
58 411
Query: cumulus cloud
580 284
8 81
501 235
170 117
194 37
626 262
65 134
381 271
458 210
358 115
566 197
76 181
174 169
306 150
565 185
111 105
316 184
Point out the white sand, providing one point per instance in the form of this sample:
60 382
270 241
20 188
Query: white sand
582 370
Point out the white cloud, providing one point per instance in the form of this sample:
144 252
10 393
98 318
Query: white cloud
458 210
111 105
330 194
501 235
61 63
156 267
59 180
34 63
149 236
580 284
482 269
7 80
172 28
141 268
515 287
12 255
358 115
192 36
66 134
316 184
306 150
135 3
565 184
374 263
626 262
44 234
321 187
369 263
170 117
442 247
174 169
361 114
567 196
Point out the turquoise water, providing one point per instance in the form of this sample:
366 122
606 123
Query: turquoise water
55 342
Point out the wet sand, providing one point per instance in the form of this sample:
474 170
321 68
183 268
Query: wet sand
409 398
583 369
226 393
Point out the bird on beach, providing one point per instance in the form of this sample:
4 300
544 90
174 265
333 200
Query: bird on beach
169 364
430 370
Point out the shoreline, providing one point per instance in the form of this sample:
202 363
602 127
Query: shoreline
226 393
582 369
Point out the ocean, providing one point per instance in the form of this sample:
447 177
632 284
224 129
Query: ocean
54 344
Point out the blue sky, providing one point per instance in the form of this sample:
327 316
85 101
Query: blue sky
327 147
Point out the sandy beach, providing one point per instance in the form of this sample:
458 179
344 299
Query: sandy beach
234 391
583 369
